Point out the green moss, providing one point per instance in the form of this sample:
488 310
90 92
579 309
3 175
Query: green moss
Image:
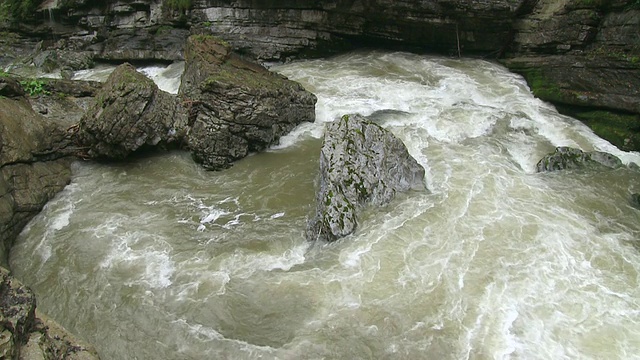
622 130
18 10
180 5
227 74
629 55
164 29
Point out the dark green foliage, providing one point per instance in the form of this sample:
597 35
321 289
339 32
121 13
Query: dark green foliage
18 10
633 4
180 5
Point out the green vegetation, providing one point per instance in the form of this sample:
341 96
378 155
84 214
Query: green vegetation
542 87
632 56
180 5
633 4
34 87
619 129
164 29
18 10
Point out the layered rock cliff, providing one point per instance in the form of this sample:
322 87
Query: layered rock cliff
582 55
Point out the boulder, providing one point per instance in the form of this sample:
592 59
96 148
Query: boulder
360 164
570 158
32 167
27 334
238 106
129 113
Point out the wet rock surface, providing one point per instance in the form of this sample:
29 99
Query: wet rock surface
570 158
237 106
27 335
32 166
584 56
361 164
131 112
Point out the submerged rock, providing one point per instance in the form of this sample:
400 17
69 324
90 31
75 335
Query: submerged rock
570 158
237 106
634 200
360 164
26 334
131 112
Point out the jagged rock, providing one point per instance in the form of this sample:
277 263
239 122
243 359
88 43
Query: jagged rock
10 87
31 168
26 334
131 112
238 106
17 312
360 164
570 158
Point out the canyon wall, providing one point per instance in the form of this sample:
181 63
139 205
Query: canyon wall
582 55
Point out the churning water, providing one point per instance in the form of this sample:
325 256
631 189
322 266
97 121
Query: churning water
158 259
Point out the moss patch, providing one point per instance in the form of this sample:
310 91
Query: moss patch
622 130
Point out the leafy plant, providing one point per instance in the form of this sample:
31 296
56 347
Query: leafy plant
34 87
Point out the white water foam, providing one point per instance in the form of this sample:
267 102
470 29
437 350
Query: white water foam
167 77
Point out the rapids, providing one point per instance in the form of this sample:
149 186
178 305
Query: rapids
158 259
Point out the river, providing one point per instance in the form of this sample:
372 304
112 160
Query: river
156 258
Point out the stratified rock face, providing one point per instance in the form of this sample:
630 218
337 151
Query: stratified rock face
25 336
31 171
570 158
584 56
360 164
131 112
277 29
269 30
237 106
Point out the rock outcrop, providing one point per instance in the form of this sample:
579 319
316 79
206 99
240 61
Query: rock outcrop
27 335
584 57
32 166
129 113
570 158
237 106
275 30
361 164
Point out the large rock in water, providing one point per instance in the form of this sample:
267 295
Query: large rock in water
27 335
570 158
360 164
237 106
130 113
